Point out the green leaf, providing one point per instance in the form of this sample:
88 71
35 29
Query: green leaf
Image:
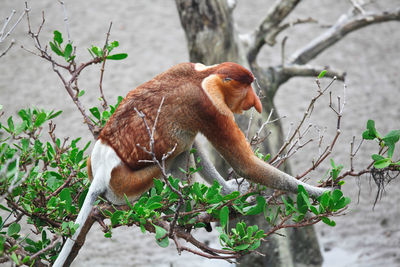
383 163
390 150
336 195
224 216
197 190
97 51
65 195
154 202
371 125
2 207
160 233
40 119
301 204
328 221
390 141
13 229
56 49
67 51
343 202
255 245
58 37
53 179
79 157
289 206
232 195
257 208
117 56
82 197
10 123
324 199
22 127
392 137
314 210
81 93
53 115
368 136
114 44
377 157
96 113
106 115
14 257
242 247
26 259
224 238
371 132
240 226
158 185
259 234
322 74
115 218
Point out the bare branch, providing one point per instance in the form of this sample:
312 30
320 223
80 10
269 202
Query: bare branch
65 20
294 70
345 24
4 35
328 150
270 24
105 105
270 39
8 48
306 114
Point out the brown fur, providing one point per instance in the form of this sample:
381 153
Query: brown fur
132 183
89 168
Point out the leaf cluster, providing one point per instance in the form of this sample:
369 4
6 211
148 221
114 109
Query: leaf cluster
388 141
44 181
100 118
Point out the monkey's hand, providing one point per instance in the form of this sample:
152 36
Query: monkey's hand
239 184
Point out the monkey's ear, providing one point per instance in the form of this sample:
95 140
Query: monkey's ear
252 100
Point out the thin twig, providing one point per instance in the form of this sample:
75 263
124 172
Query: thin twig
65 20
283 51
105 50
4 36
306 114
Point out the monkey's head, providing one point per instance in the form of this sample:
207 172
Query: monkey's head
234 83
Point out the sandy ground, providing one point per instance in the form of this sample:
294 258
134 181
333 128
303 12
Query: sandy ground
150 32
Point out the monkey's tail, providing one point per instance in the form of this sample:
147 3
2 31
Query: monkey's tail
93 193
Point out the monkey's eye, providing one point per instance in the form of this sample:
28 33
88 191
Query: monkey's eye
227 79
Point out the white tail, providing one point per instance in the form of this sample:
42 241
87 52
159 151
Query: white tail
94 192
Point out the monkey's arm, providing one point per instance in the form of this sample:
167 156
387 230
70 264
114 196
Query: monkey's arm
209 173
231 143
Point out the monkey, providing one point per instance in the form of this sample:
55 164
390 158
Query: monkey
196 99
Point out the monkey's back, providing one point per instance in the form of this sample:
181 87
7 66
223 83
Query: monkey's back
126 131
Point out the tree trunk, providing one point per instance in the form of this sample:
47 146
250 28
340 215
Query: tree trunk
212 39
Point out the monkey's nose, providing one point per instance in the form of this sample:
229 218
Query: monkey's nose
252 100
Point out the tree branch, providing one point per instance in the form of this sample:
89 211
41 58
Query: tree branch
345 24
269 25
270 38
311 71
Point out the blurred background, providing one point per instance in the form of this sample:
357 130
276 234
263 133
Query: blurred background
150 32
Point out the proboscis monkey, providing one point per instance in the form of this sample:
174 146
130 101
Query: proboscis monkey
197 99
